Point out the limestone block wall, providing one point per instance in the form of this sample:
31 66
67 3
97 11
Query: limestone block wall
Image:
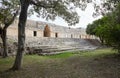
11 31
34 33
40 33
29 33
66 35
62 42
53 34
59 35
57 42
37 29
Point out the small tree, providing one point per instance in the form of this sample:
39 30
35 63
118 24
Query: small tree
94 27
8 13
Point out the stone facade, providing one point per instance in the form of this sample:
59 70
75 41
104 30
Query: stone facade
47 37
43 29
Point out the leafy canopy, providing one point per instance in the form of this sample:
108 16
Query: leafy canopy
50 9
108 28
8 11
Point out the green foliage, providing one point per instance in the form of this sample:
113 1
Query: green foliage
62 55
90 29
98 28
108 28
105 7
8 10
66 9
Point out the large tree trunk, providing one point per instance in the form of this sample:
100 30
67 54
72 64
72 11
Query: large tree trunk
21 34
4 39
101 39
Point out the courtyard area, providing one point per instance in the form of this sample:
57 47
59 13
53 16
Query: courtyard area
101 63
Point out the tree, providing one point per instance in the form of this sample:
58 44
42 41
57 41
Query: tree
48 9
96 27
8 13
105 7
114 29
90 29
109 28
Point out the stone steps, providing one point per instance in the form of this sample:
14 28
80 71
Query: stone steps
54 42
55 45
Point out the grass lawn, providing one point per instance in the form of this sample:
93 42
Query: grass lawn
102 63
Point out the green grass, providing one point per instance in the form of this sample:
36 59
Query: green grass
61 55
98 53
93 64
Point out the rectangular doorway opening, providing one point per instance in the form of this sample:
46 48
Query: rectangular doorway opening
34 33
56 35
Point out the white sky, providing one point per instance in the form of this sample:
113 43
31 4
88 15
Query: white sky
85 18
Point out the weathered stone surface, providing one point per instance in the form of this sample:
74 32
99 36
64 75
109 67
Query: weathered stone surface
47 45
56 45
43 37
38 29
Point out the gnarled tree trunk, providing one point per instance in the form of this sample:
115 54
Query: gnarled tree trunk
21 34
4 39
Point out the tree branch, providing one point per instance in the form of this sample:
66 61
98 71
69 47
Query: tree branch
44 4
13 18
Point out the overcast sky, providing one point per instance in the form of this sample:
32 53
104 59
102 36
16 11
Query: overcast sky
85 18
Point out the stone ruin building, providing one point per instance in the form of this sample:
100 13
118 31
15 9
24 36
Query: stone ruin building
46 37
43 29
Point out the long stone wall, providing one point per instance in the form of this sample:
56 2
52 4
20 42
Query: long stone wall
54 36
58 42
37 29
48 45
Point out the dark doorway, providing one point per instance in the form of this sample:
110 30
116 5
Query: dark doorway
56 35
34 33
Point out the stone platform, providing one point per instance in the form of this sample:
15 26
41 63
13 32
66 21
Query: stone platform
47 45
44 46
